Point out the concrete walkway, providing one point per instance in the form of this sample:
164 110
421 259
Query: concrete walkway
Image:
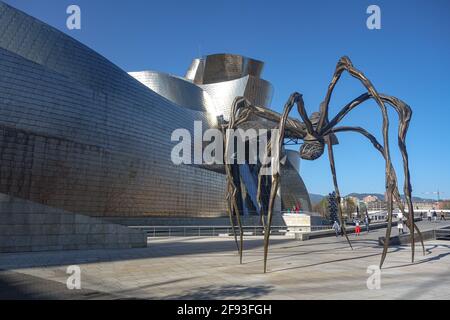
208 268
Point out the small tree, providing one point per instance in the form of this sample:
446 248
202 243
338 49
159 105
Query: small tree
322 208
349 206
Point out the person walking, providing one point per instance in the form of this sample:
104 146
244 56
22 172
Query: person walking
400 226
337 228
357 228
367 222
434 216
442 216
429 215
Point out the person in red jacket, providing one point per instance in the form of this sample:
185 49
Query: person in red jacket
357 228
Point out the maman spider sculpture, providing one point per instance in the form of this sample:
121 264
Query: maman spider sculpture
318 132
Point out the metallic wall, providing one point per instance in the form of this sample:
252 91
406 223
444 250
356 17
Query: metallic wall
292 187
225 67
226 76
77 132
257 91
177 90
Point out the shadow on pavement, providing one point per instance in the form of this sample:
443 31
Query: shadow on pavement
429 250
18 286
223 292
14 261
333 261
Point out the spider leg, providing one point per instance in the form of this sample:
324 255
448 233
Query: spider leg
267 228
404 113
398 200
294 98
241 111
230 214
325 104
258 197
229 192
238 104
388 230
336 187
345 64
396 192
238 218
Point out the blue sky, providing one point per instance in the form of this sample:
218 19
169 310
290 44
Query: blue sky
300 42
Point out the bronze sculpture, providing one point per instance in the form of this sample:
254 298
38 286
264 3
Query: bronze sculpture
316 132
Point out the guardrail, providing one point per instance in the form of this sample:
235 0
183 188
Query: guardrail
217 231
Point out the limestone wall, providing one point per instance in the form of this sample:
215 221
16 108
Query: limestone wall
28 226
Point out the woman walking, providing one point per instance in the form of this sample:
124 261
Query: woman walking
400 226
357 228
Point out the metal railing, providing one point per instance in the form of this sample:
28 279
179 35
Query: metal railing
217 231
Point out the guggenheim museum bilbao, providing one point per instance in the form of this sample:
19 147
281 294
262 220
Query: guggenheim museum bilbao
79 134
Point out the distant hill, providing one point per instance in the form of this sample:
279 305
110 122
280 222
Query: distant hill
380 196
316 198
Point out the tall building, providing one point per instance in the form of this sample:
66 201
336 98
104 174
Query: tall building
370 198
79 133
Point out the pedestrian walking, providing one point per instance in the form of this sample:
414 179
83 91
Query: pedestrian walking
434 216
429 215
400 226
442 216
337 228
357 228
367 221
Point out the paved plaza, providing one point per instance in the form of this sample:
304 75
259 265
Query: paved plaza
208 268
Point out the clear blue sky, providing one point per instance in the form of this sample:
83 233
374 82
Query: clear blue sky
300 41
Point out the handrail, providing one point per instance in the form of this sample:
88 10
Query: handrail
211 231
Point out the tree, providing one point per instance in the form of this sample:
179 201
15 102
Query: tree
444 205
327 207
322 208
349 207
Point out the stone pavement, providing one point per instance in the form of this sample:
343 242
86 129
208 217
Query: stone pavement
208 268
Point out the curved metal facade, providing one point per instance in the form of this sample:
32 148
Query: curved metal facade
177 90
226 76
257 91
292 188
79 133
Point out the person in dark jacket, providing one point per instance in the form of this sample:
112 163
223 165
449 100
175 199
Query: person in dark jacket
367 222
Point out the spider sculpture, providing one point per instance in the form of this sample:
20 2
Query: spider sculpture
318 133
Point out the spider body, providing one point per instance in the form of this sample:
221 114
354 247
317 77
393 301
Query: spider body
312 148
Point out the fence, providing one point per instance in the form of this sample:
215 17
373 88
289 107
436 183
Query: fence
217 231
